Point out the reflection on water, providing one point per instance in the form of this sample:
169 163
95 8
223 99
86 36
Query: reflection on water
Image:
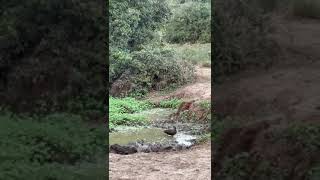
149 135
145 134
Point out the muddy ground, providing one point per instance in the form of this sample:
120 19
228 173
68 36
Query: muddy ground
190 164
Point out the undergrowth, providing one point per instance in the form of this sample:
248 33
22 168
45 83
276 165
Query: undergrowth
171 103
122 111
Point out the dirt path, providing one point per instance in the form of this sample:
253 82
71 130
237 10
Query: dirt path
191 164
199 90
188 165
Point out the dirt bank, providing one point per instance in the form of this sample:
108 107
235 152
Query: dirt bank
199 90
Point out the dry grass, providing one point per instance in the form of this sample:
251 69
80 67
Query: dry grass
198 54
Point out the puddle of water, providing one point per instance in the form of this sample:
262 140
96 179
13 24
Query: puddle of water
124 135
184 139
146 134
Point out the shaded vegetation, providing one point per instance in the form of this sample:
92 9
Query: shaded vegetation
56 146
240 30
306 8
50 53
237 159
52 66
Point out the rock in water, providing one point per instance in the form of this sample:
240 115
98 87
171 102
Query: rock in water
171 131
116 148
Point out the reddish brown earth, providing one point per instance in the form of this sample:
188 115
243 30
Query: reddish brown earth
199 90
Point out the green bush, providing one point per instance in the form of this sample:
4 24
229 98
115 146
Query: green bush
190 23
159 68
133 23
171 103
57 146
151 68
256 162
136 55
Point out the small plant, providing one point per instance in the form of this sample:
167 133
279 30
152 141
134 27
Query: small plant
204 138
122 111
303 135
205 104
171 103
236 168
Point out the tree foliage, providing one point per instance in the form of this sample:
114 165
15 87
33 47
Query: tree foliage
190 23
135 53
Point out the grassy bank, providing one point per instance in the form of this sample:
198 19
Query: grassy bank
122 111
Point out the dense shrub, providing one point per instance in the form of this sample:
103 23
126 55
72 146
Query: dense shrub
132 23
240 30
138 61
151 68
159 68
251 157
57 146
51 52
190 23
